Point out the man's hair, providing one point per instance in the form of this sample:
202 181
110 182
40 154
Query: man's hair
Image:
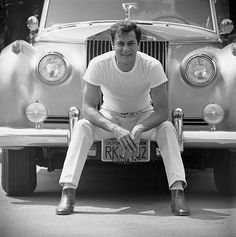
122 27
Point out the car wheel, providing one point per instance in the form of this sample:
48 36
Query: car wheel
225 171
19 171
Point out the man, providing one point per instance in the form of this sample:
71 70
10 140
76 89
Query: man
129 81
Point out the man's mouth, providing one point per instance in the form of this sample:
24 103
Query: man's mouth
126 55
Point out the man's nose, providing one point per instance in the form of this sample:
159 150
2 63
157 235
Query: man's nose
126 47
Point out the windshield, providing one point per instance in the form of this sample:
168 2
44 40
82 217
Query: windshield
191 12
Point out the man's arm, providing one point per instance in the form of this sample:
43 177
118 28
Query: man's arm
161 111
91 98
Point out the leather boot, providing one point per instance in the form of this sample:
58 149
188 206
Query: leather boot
178 204
66 205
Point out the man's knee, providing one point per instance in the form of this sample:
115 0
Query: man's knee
83 125
166 128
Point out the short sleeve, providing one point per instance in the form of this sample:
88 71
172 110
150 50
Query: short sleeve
93 73
157 75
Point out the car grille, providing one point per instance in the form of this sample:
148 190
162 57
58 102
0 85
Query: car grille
156 49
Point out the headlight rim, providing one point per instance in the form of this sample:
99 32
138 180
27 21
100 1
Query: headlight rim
53 83
187 59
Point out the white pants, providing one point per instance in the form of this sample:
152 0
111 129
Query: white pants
84 133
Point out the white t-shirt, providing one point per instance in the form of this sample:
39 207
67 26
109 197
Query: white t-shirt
125 91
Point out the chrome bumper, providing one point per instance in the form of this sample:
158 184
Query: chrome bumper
201 139
13 137
18 137
209 139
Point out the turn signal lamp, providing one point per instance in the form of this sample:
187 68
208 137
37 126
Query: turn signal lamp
36 113
213 114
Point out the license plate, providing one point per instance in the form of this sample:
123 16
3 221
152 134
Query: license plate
113 152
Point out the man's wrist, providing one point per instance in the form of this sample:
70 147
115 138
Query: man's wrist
140 127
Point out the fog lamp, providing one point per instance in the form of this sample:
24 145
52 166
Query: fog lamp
36 113
213 114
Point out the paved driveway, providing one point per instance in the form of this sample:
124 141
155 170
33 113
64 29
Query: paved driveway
114 201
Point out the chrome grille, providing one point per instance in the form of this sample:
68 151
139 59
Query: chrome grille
156 49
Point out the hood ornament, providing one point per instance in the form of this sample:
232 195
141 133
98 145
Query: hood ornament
127 7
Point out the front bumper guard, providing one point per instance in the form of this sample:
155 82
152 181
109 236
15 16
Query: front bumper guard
15 137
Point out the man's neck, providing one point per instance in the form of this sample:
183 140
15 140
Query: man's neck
124 67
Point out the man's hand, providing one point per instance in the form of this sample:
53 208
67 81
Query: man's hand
126 139
136 133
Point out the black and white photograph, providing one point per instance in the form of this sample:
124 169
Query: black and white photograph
117 118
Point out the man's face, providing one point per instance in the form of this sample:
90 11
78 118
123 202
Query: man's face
125 46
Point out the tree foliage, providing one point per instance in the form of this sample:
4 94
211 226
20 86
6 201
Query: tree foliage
13 19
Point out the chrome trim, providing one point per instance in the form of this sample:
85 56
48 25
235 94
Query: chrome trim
15 137
57 119
189 121
66 76
74 115
44 15
191 42
127 8
177 115
187 60
214 17
156 49
209 139
19 137
97 47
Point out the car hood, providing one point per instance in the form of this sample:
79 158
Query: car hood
83 31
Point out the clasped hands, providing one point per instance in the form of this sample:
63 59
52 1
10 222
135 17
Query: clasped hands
129 140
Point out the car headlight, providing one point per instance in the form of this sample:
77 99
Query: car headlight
36 113
52 68
199 70
213 114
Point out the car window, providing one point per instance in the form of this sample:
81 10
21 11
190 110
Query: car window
192 12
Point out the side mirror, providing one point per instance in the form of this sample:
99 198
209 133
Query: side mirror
33 25
226 26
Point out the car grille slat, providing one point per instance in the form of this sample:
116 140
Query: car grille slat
156 49
57 119
194 122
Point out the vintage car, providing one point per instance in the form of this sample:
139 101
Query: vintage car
41 85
